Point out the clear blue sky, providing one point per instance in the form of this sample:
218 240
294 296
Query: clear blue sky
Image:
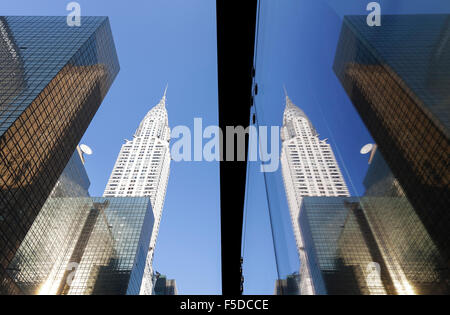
174 41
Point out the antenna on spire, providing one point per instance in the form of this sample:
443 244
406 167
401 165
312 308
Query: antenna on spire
165 91
286 95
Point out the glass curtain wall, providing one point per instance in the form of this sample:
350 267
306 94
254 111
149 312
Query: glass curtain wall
358 199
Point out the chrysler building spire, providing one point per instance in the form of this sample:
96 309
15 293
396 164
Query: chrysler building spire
142 170
309 168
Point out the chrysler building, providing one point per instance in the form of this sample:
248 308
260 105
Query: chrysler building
309 168
142 170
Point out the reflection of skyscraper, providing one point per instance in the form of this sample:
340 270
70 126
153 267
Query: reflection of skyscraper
68 71
397 77
411 256
340 248
142 169
309 168
374 244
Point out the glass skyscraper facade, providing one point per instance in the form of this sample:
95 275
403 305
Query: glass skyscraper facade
164 286
397 78
115 246
413 258
52 80
80 245
47 246
374 244
86 246
288 286
340 248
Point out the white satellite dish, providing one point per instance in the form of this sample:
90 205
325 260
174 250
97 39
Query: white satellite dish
85 149
366 149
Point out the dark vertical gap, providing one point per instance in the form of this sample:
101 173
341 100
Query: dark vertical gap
236 22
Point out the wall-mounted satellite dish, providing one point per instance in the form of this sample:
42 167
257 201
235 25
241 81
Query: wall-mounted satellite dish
85 149
366 149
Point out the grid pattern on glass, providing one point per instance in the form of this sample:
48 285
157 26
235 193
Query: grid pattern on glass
62 74
412 253
340 248
114 257
347 239
395 78
37 267
85 246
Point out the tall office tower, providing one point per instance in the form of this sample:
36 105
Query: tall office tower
54 78
309 168
142 169
342 253
110 255
411 257
374 244
82 245
288 286
164 286
12 72
397 77
45 250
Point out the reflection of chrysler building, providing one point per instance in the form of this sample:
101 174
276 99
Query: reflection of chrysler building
309 168
142 169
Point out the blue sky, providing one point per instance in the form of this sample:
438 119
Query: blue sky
174 42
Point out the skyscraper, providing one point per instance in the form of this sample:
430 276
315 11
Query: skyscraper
142 169
309 168
397 77
288 286
110 255
374 244
341 250
410 254
79 245
164 286
53 79
46 247
12 76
